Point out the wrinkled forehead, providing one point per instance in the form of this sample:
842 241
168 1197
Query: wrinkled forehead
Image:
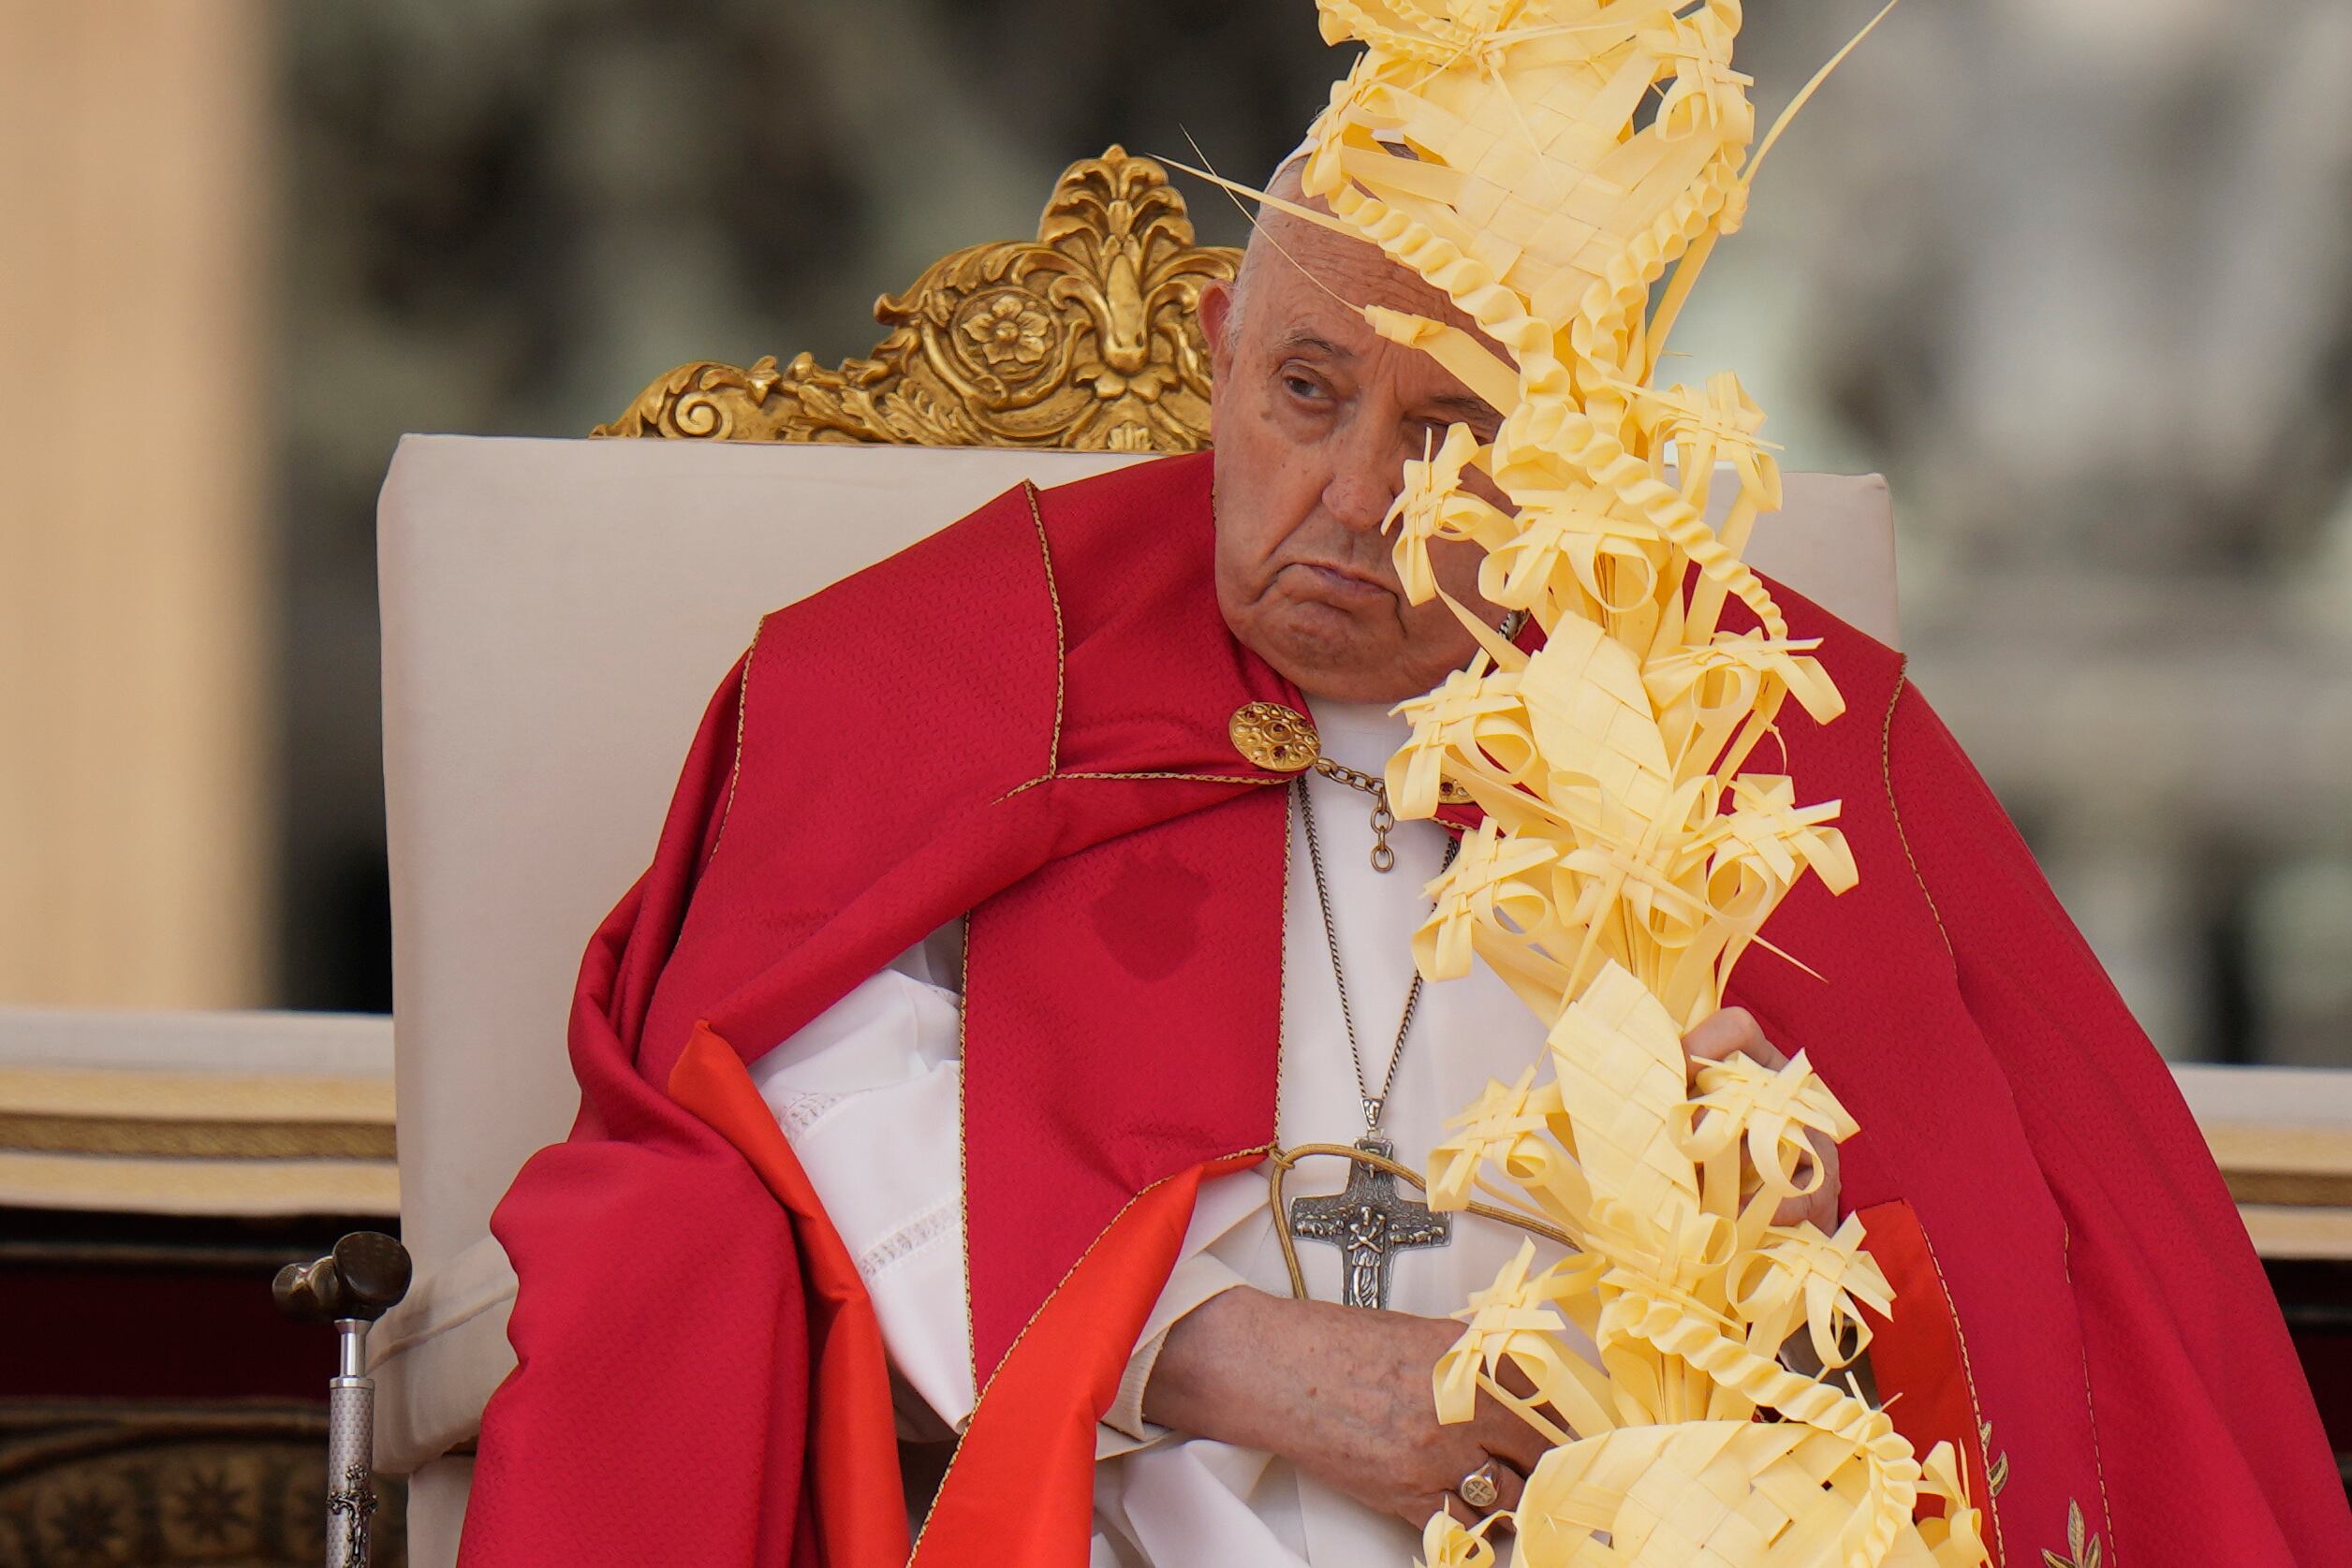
1311 268
1296 274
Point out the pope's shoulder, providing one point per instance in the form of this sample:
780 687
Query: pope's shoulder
1132 529
1861 664
1847 756
985 649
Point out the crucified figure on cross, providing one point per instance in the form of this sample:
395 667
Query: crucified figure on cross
1370 1223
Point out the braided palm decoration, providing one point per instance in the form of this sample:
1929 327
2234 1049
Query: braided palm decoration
1545 164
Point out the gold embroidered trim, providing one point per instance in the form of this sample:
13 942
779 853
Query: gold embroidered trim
1282 981
1061 651
1061 685
1969 1376
1260 1151
1198 778
2082 1547
963 1003
964 1163
1886 770
1996 1466
1022 788
742 709
2090 1412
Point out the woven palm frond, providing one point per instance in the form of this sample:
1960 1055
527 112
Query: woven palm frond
1547 165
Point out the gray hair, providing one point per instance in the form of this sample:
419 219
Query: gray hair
1251 255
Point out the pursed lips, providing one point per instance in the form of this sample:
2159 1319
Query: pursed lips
1338 583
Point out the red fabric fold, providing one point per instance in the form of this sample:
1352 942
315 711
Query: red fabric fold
1919 1351
852 1489
894 753
1020 1493
2204 1426
2124 1346
1023 718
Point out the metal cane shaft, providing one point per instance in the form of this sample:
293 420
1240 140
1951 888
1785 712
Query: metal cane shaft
350 1287
350 1452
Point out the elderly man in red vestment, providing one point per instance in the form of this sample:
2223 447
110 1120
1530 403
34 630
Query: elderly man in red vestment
927 1087
930 1090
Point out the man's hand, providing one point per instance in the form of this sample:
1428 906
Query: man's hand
1342 1393
1345 1395
1734 1032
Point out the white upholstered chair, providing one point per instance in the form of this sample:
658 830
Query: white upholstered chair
556 614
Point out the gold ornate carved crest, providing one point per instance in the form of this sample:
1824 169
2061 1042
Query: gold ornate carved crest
1084 337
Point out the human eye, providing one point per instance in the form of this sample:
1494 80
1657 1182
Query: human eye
1435 430
1424 436
1304 390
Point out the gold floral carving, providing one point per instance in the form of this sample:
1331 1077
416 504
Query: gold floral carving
1084 337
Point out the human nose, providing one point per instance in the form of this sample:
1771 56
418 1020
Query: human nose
1367 470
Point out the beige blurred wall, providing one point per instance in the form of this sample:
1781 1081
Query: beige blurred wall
133 859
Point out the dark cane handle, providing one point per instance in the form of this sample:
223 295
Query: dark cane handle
363 1278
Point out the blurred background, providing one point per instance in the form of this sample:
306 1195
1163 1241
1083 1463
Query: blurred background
2078 277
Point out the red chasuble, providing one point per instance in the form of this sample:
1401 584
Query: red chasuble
1024 718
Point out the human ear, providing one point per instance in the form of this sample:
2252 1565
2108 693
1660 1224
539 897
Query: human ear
1216 320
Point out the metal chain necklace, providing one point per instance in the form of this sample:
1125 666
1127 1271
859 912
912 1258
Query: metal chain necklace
1369 1222
1374 1105
1384 818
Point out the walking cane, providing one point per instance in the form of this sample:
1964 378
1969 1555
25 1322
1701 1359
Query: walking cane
352 1286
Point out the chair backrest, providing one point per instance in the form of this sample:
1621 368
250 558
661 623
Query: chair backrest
555 616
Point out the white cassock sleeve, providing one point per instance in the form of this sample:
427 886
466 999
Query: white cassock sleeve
869 1096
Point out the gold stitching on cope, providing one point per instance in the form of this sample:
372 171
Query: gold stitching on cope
1260 1151
1996 1466
1969 1376
2083 1542
1028 785
1061 656
963 1162
743 707
1199 778
1887 770
2090 1410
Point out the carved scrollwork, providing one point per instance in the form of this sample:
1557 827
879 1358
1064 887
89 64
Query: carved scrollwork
1085 337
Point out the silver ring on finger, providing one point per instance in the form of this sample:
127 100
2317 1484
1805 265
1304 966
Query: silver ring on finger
1478 1490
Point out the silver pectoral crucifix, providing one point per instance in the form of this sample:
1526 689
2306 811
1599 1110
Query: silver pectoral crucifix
1370 1223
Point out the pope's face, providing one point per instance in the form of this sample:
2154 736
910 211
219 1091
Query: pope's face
1314 418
